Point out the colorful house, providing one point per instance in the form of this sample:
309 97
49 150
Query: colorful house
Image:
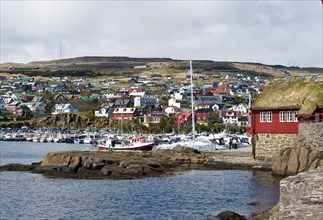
183 119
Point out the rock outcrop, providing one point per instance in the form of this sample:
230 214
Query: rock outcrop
293 160
134 165
301 196
228 215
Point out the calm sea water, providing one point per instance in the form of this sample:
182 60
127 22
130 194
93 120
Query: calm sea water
190 195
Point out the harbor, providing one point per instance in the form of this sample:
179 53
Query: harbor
203 142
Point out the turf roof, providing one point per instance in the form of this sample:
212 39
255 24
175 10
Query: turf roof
305 95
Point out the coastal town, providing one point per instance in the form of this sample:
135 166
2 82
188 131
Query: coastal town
161 110
224 103
276 120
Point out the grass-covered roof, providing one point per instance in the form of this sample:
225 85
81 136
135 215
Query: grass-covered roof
304 94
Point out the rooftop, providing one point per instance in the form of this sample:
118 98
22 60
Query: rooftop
305 95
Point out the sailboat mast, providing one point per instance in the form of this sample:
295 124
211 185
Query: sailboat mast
192 101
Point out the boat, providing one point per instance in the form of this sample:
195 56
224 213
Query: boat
36 138
91 138
15 137
29 138
202 143
124 144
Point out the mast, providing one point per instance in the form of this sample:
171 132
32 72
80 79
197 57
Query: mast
192 102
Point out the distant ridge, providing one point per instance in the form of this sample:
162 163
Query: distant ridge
105 63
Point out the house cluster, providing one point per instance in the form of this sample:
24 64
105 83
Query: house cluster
24 97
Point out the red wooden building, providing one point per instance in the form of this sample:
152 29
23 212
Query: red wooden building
278 111
183 119
279 120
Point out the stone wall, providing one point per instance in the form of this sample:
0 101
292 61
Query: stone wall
311 135
301 196
269 144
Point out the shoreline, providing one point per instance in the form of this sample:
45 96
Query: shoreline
134 165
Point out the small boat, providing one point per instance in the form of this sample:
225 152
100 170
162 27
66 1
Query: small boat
15 137
130 144
43 139
59 140
29 138
36 139
78 141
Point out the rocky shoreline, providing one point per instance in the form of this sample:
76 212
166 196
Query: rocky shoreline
301 194
134 165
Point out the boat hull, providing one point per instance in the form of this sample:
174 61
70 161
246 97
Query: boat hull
142 147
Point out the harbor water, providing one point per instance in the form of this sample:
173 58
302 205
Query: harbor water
189 195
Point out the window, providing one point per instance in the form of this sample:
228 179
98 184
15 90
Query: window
269 117
282 116
289 116
262 116
295 117
266 117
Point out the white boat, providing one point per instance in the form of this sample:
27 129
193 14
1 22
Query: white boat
126 144
15 137
202 143
92 138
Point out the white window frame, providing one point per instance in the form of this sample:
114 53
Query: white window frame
269 117
289 116
262 116
282 117
295 117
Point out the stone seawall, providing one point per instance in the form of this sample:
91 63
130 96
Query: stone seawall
269 144
301 197
311 135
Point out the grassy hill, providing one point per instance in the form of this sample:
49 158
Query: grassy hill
124 66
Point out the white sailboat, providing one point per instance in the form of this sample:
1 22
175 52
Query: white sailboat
202 143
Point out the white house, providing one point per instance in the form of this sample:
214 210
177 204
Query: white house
172 110
36 107
230 117
172 102
140 101
112 95
103 112
178 96
242 108
137 93
63 108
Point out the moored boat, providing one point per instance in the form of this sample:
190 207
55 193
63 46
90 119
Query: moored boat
15 137
130 144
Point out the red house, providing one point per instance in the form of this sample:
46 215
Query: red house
203 115
183 119
279 110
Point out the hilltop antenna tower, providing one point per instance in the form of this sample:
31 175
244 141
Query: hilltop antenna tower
60 50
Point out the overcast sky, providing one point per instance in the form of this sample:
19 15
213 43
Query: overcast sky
270 32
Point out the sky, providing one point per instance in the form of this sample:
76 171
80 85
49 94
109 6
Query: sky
285 32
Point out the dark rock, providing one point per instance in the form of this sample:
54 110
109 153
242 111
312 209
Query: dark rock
107 170
16 167
228 215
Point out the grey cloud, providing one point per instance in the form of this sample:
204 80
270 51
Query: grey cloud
258 31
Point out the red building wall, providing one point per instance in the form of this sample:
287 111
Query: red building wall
275 126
